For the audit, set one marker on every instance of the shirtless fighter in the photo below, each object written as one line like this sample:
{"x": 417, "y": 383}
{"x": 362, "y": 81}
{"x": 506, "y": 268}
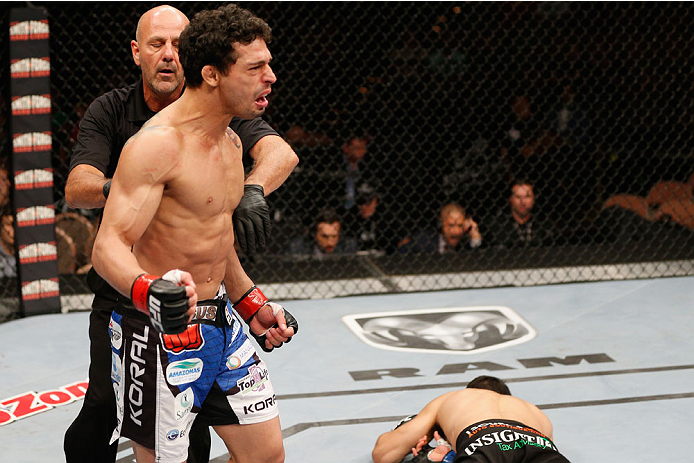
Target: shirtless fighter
{"x": 166, "y": 244}
{"x": 484, "y": 423}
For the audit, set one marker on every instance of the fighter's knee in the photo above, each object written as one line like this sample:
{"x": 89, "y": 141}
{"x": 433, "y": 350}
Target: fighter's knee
{"x": 275, "y": 454}
{"x": 266, "y": 456}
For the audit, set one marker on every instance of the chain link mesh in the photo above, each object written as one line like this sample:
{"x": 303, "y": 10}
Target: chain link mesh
{"x": 450, "y": 101}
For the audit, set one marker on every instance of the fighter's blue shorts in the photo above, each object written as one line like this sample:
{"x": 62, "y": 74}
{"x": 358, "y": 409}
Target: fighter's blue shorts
{"x": 164, "y": 382}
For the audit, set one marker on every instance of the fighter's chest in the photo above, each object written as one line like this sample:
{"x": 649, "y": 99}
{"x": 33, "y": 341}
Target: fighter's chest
{"x": 209, "y": 182}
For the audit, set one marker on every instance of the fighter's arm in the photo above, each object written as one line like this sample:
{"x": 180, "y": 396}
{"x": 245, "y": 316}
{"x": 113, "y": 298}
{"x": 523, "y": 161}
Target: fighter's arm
{"x": 269, "y": 323}
{"x": 393, "y": 446}
{"x": 137, "y": 189}
{"x": 274, "y": 161}
{"x": 85, "y": 187}
{"x": 90, "y": 157}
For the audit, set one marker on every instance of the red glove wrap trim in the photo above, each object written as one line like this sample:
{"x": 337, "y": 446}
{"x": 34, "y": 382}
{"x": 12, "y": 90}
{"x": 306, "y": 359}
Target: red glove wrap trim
{"x": 250, "y": 303}
{"x": 138, "y": 292}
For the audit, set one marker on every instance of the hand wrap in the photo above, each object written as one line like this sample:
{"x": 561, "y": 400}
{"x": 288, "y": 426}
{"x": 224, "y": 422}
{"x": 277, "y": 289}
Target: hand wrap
{"x": 423, "y": 456}
{"x": 252, "y": 220}
{"x": 165, "y": 302}
{"x": 248, "y": 306}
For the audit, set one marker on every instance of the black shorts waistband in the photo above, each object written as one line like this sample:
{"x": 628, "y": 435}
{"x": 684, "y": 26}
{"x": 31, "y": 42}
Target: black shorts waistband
{"x": 209, "y": 311}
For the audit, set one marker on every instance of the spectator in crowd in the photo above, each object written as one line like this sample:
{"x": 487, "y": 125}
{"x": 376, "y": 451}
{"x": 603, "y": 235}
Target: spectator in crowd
{"x": 571, "y": 120}
{"x": 668, "y": 207}
{"x": 299, "y": 137}
{"x": 625, "y": 218}
{"x": 354, "y": 151}
{"x": 518, "y": 227}
{"x": 8, "y": 258}
{"x": 369, "y": 223}
{"x": 673, "y": 201}
{"x": 326, "y": 237}
{"x": 527, "y": 137}
{"x": 457, "y": 232}
{"x": 679, "y": 211}
{"x": 634, "y": 203}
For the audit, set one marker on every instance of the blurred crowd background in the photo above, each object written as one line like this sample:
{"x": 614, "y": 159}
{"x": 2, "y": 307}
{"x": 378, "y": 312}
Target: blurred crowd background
{"x": 435, "y": 138}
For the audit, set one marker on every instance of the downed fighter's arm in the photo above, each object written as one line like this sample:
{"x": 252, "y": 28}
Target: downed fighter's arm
{"x": 137, "y": 188}
{"x": 393, "y": 446}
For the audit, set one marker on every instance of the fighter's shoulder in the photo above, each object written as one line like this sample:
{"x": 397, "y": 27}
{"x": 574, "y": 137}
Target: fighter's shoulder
{"x": 461, "y": 396}
{"x": 233, "y": 138}
{"x": 157, "y": 142}
{"x": 441, "y": 400}
{"x": 157, "y": 131}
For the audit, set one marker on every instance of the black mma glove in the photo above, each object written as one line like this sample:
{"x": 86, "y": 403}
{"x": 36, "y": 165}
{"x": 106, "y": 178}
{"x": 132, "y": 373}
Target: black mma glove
{"x": 423, "y": 455}
{"x": 165, "y": 302}
{"x": 107, "y": 188}
{"x": 248, "y": 306}
{"x": 252, "y": 220}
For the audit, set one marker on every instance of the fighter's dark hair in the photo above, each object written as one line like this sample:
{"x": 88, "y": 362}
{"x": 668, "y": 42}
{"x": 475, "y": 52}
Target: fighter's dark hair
{"x": 489, "y": 383}
{"x": 210, "y": 37}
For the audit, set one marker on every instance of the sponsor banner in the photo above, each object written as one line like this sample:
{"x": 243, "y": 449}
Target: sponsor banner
{"x": 35, "y": 235}
{"x": 31, "y": 104}
{"x": 183, "y": 371}
{"x": 34, "y": 216}
{"x": 31, "y": 141}
{"x": 33, "y": 178}
{"x": 31, "y": 138}
{"x": 38, "y": 252}
{"x": 184, "y": 404}
{"x": 242, "y": 355}
{"x": 24, "y": 124}
{"x": 40, "y": 289}
{"x": 30, "y": 161}
{"x": 27, "y": 199}
{"x": 39, "y": 273}
{"x": 29, "y": 29}
{"x": 31, "y": 86}
{"x": 38, "y": 66}
{"x": 31, "y": 403}
{"x": 254, "y": 381}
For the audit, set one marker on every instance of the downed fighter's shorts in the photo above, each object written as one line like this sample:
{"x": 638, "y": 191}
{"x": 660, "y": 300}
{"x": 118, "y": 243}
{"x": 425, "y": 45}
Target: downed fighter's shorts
{"x": 163, "y": 382}
{"x": 505, "y": 441}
